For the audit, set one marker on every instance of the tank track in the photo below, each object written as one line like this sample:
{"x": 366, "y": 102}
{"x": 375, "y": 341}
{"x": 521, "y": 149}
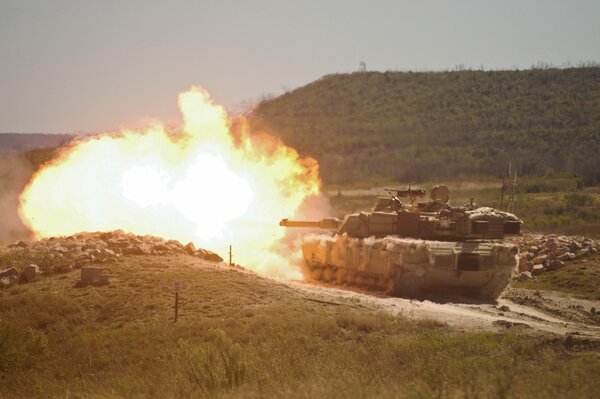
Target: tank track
{"x": 410, "y": 268}
{"x": 396, "y": 286}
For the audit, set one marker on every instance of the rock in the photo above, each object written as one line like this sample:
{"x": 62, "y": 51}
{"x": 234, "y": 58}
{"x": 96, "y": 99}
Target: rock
{"x": 9, "y": 272}
{"x": 524, "y": 265}
{"x": 161, "y": 247}
{"x": 7, "y": 281}
{"x": 533, "y": 249}
{"x": 566, "y": 256}
{"x": 22, "y": 244}
{"x": 137, "y": 250}
{"x": 30, "y": 273}
{"x": 105, "y": 253}
{"x": 212, "y": 257}
{"x": 118, "y": 243}
{"x": 559, "y": 251}
{"x": 190, "y": 248}
{"x": 524, "y": 276}
{"x": 583, "y": 252}
{"x": 555, "y": 265}
{"x": 538, "y": 260}
{"x": 200, "y": 253}
{"x": 62, "y": 268}
{"x": 60, "y": 249}
{"x": 175, "y": 243}
{"x": 537, "y": 269}
{"x": 504, "y": 308}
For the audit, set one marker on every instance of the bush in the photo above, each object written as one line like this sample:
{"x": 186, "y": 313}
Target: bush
{"x": 579, "y": 199}
{"x": 215, "y": 365}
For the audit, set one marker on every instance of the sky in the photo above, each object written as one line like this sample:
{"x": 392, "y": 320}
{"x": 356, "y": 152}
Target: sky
{"x": 91, "y": 66}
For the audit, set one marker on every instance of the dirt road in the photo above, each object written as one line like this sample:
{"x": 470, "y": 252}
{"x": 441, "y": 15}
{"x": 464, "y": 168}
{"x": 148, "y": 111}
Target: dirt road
{"x": 525, "y": 310}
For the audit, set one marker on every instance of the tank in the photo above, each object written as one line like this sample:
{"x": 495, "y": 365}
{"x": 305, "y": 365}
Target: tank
{"x": 405, "y": 248}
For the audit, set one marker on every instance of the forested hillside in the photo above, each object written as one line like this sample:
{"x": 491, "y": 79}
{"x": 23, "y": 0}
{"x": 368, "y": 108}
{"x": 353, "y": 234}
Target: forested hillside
{"x": 435, "y": 125}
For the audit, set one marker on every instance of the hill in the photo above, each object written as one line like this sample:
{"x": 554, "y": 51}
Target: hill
{"x": 411, "y": 126}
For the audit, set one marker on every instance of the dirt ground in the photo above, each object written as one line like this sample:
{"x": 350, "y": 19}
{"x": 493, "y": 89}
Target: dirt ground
{"x": 518, "y": 308}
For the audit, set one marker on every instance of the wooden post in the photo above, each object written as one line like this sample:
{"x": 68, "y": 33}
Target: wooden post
{"x": 230, "y": 255}
{"x": 176, "y": 301}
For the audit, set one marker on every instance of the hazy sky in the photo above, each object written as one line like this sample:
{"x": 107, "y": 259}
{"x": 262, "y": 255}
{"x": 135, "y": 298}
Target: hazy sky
{"x": 88, "y": 66}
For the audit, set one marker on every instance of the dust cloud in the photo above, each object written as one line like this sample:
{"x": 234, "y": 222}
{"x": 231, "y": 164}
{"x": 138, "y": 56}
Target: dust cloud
{"x": 15, "y": 172}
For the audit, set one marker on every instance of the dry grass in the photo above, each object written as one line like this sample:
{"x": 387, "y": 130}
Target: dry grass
{"x": 239, "y": 335}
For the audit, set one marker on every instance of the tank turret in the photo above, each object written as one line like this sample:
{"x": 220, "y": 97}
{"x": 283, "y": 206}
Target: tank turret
{"x": 432, "y": 220}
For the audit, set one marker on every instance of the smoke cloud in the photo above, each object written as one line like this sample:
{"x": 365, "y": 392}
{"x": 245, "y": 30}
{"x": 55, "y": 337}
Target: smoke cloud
{"x": 15, "y": 172}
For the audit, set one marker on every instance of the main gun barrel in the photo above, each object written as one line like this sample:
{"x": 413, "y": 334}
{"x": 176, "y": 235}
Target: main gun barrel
{"x": 325, "y": 223}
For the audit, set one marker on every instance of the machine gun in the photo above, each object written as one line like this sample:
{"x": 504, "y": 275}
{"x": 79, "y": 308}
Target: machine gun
{"x": 411, "y": 193}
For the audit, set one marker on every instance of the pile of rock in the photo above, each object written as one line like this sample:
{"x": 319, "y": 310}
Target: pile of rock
{"x": 63, "y": 254}
{"x": 541, "y": 253}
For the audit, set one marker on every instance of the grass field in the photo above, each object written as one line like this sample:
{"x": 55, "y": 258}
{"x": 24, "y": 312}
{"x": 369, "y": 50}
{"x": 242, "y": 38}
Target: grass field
{"x": 239, "y": 335}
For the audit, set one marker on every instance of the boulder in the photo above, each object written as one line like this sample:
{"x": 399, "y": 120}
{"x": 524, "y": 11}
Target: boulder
{"x": 161, "y": 247}
{"x": 566, "y": 256}
{"x": 212, "y": 257}
{"x": 537, "y": 269}
{"x": 558, "y": 251}
{"x": 524, "y": 265}
{"x": 11, "y": 271}
{"x": 200, "y": 253}
{"x": 7, "y": 281}
{"x": 190, "y": 248}
{"x": 538, "y": 260}
{"x": 30, "y": 273}
{"x": 136, "y": 250}
{"x": 175, "y": 243}
{"x": 555, "y": 265}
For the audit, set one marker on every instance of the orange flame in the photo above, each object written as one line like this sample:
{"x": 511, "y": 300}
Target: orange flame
{"x": 193, "y": 185}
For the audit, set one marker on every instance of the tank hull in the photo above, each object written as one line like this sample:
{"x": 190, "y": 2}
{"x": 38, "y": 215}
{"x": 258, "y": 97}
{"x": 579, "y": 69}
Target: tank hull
{"x": 404, "y": 266}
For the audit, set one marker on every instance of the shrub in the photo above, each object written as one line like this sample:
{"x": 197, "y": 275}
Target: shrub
{"x": 579, "y": 199}
{"x": 217, "y": 364}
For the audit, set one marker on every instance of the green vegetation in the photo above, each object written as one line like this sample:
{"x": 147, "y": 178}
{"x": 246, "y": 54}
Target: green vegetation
{"x": 409, "y": 126}
{"x": 239, "y": 335}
